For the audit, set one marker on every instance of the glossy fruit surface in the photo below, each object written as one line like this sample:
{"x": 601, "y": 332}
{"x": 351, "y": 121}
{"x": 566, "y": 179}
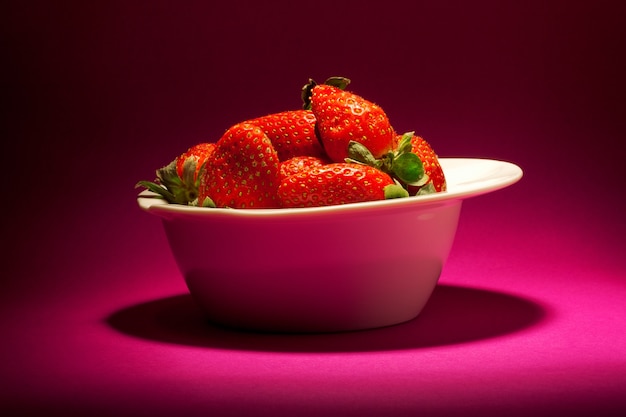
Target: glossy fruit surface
{"x": 333, "y": 184}
{"x": 243, "y": 172}
{"x": 430, "y": 162}
{"x": 292, "y": 133}
{"x": 343, "y": 116}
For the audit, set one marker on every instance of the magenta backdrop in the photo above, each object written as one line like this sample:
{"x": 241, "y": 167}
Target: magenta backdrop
{"x": 530, "y": 315}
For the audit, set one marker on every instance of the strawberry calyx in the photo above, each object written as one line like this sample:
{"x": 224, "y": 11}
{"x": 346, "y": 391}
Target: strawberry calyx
{"x": 338, "y": 82}
{"x": 173, "y": 188}
{"x": 395, "y": 191}
{"x": 207, "y": 202}
{"x": 401, "y": 164}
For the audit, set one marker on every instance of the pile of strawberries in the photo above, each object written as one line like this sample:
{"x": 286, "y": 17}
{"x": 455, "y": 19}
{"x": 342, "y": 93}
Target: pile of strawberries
{"x": 338, "y": 149}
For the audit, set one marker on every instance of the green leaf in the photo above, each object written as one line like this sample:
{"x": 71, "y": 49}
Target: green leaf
{"x": 395, "y": 191}
{"x": 425, "y": 178}
{"x": 427, "y": 189}
{"x": 359, "y": 152}
{"x": 339, "y": 82}
{"x": 405, "y": 144}
{"x": 408, "y": 168}
{"x": 189, "y": 171}
{"x": 208, "y": 202}
{"x": 158, "y": 189}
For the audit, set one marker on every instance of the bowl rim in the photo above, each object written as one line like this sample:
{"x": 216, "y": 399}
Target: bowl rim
{"x": 465, "y": 177}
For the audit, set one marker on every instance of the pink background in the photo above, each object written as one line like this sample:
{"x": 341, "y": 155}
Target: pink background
{"x": 530, "y": 316}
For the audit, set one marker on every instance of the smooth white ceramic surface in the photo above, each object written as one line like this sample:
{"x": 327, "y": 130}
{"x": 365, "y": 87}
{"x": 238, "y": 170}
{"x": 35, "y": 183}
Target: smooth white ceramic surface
{"x": 324, "y": 269}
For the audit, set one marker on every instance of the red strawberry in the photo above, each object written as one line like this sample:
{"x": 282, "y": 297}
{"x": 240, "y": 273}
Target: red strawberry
{"x": 299, "y": 164}
{"x": 243, "y": 172}
{"x": 194, "y": 158}
{"x": 432, "y": 168}
{"x": 178, "y": 181}
{"x": 337, "y": 183}
{"x": 292, "y": 133}
{"x": 343, "y": 116}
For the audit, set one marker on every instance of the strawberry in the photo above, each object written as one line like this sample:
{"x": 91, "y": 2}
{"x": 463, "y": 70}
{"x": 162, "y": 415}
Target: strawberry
{"x": 337, "y": 183}
{"x": 413, "y": 163}
{"x": 195, "y": 156}
{"x": 299, "y": 164}
{"x": 242, "y": 172}
{"x": 432, "y": 168}
{"x": 292, "y": 133}
{"x": 343, "y": 116}
{"x": 178, "y": 181}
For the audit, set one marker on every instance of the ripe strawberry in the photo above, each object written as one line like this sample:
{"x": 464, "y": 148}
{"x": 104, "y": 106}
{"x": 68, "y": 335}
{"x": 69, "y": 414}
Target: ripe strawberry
{"x": 432, "y": 168}
{"x": 194, "y": 158}
{"x": 343, "y": 116}
{"x": 299, "y": 164}
{"x": 292, "y": 133}
{"x": 178, "y": 181}
{"x": 242, "y": 172}
{"x": 337, "y": 183}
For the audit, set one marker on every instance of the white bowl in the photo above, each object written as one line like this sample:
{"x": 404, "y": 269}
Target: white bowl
{"x": 326, "y": 269}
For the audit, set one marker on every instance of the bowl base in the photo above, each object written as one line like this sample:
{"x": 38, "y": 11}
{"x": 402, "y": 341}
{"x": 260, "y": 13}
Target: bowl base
{"x": 320, "y": 304}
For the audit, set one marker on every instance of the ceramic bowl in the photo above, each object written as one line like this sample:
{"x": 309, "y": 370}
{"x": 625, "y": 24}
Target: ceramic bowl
{"x": 328, "y": 269}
